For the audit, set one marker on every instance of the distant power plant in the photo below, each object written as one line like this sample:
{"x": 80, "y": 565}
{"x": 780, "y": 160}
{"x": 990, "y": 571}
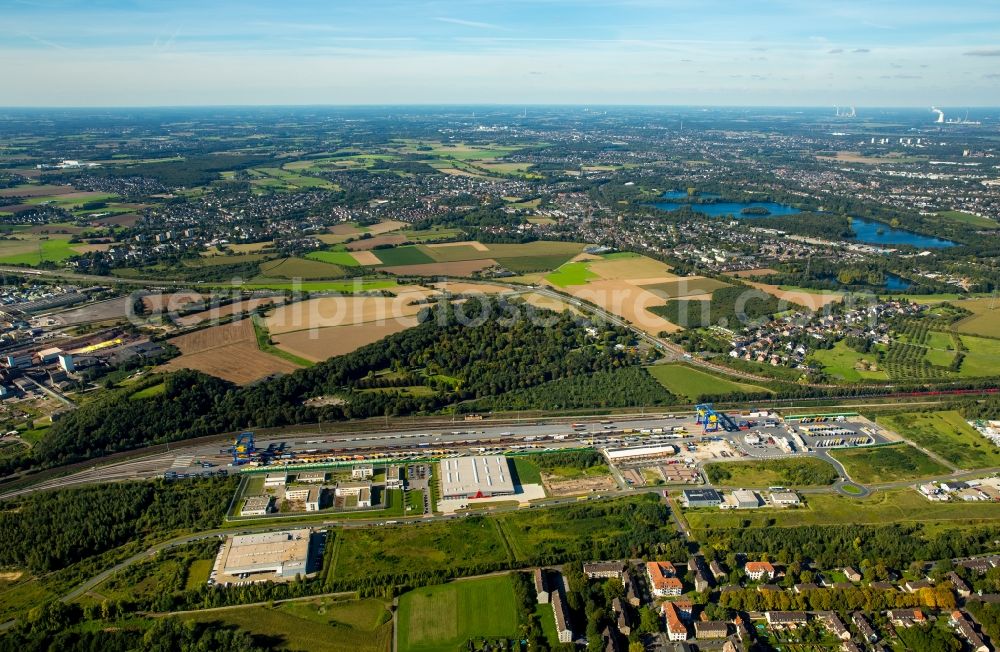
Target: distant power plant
{"x": 940, "y": 114}
{"x": 846, "y": 113}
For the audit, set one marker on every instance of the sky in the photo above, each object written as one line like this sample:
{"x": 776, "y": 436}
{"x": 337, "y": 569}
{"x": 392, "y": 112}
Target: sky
{"x": 663, "y": 52}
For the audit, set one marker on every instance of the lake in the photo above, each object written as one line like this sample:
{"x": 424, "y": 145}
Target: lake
{"x": 868, "y": 231}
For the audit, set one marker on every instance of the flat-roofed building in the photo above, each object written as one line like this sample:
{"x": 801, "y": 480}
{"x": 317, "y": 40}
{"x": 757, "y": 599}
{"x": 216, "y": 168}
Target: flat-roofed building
{"x": 362, "y": 471}
{"x": 311, "y": 477}
{"x": 621, "y": 455}
{"x": 395, "y": 477}
{"x": 297, "y": 493}
{"x": 477, "y": 476}
{"x": 362, "y": 490}
{"x": 785, "y": 498}
{"x": 256, "y": 506}
{"x": 314, "y": 499}
{"x": 701, "y": 498}
{"x": 264, "y": 556}
{"x": 272, "y": 480}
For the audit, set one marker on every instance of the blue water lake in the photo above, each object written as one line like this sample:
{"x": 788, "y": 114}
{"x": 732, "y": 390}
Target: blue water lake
{"x": 868, "y": 231}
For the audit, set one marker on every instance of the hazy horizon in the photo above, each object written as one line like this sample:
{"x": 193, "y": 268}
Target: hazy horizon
{"x": 789, "y": 53}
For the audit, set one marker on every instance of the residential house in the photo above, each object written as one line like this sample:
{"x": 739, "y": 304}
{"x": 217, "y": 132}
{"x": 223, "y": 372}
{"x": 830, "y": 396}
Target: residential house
{"x": 758, "y": 570}
{"x": 541, "y": 586}
{"x": 604, "y": 570}
{"x": 786, "y": 618}
{"x": 561, "y": 614}
{"x": 864, "y": 627}
{"x": 711, "y": 629}
{"x": 676, "y": 629}
{"x": 663, "y": 579}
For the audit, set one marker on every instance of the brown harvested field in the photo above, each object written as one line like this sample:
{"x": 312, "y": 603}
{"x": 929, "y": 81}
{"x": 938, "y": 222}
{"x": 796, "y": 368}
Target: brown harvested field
{"x": 458, "y": 268}
{"x": 345, "y": 229}
{"x": 18, "y": 208}
{"x": 475, "y": 244}
{"x": 628, "y": 301}
{"x": 370, "y": 243}
{"x": 749, "y": 273}
{"x": 386, "y": 226}
{"x": 366, "y": 258}
{"x": 228, "y": 352}
{"x": 811, "y": 300}
{"x": 170, "y": 301}
{"x": 38, "y": 191}
{"x": 460, "y": 251}
{"x": 457, "y": 287}
{"x": 584, "y": 257}
{"x": 684, "y": 287}
{"x": 225, "y": 311}
{"x": 125, "y": 219}
{"x": 321, "y": 343}
{"x": 246, "y": 248}
{"x": 548, "y": 303}
{"x": 455, "y": 172}
{"x": 628, "y": 268}
{"x": 324, "y": 312}
{"x": 89, "y": 248}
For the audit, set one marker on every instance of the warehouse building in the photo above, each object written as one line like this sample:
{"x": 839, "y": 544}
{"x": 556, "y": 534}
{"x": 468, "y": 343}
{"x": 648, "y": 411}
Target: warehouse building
{"x": 645, "y": 453}
{"x": 701, "y": 498}
{"x": 262, "y": 557}
{"x": 479, "y": 476}
{"x": 256, "y": 506}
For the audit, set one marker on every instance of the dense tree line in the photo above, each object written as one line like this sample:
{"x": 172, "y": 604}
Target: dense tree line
{"x": 864, "y": 599}
{"x": 51, "y": 530}
{"x": 621, "y": 387}
{"x": 834, "y": 546}
{"x": 729, "y": 306}
{"x": 58, "y": 626}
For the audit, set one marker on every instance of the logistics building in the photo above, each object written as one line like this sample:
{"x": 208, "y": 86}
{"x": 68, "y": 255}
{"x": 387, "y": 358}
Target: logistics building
{"x": 264, "y": 556}
{"x": 479, "y": 476}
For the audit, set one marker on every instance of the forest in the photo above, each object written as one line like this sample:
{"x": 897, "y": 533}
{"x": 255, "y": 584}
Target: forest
{"x": 835, "y": 546}
{"x": 488, "y": 348}
{"x": 50, "y": 530}
{"x": 729, "y": 307}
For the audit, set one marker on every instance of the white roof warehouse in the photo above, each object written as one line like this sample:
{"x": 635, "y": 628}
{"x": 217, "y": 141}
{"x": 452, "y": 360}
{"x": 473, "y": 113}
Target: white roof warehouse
{"x": 479, "y": 476}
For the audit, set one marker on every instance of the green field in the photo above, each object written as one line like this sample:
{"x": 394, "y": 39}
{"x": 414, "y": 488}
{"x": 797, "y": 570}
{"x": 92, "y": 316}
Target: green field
{"x": 968, "y": 218}
{"x": 887, "y": 463}
{"x": 408, "y": 255}
{"x": 883, "y": 507}
{"x": 340, "y": 257}
{"x": 303, "y": 268}
{"x": 444, "y": 617}
{"x": 571, "y": 274}
{"x": 322, "y": 625}
{"x": 946, "y": 434}
{"x": 431, "y": 546}
{"x": 985, "y": 318}
{"x": 32, "y": 251}
{"x": 797, "y": 472}
{"x": 841, "y": 361}
{"x": 692, "y": 383}
{"x": 149, "y": 392}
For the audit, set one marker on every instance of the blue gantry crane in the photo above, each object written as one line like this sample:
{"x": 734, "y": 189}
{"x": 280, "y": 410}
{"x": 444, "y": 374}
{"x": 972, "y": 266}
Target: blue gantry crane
{"x": 243, "y": 448}
{"x": 711, "y": 420}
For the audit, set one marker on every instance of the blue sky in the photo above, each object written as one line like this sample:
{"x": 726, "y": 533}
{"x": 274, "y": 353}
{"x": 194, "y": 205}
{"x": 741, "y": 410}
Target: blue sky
{"x": 735, "y": 52}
